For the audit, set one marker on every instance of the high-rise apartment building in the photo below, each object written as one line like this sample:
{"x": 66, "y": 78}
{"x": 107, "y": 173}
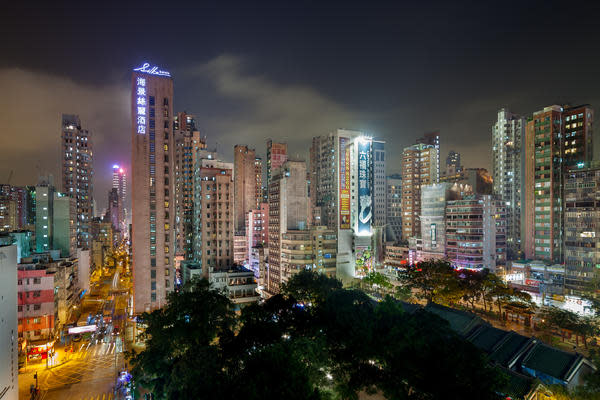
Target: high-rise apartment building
{"x": 379, "y": 186}
{"x": 394, "y": 207}
{"x": 257, "y": 227}
{"x": 476, "y": 232}
{"x": 433, "y": 217}
{"x": 557, "y": 138}
{"x": 64, "y": 236}
{"x": 113, "y": 211}
{"x": 78, "y": 173}
{"x": 213, "y": 213}
{"x": 582, "y": 227}
{"x": 187, "y": 143}
{"x": 276, "y": 156}
{"x": 420, "y": 166}
{"x": 508, "y": 134}
{"x": 288, "y": 199}
{"x": 119, "y": 182}
{"x": 453, "y": 164}
{"x": 433, "y": 139}
{"x": 9, "y": 344}
{"x": 341, "y": 179}
{"x": 153, "y": 178}
{"x": 260, "y": 190}
{"x": 245, "y": 184}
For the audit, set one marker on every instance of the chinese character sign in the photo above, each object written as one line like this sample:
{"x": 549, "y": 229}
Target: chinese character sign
{"x": 140, "y": 90}
{"x": 344, "y": 160}
{"x": 365, "y": 206}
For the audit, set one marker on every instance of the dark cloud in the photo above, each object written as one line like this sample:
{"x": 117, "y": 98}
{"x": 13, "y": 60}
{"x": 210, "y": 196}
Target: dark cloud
{"x": 32, "y": 104}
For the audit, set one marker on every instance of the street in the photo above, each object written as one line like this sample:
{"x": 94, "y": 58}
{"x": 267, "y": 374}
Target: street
{"x": 89, "y": 365}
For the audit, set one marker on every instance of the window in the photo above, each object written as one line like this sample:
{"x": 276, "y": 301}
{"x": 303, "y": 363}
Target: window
{"x": 151, "y": 100}
{"x": 153, "y": 297}
{"x": 153, "y": 262}
{"x": 152, "y": 274}
{"x": 153, "y": 285}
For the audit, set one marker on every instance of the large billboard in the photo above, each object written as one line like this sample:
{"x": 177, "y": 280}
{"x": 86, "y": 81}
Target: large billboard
{"x": 344, "y": 177}
{"x": 365, "y": 199}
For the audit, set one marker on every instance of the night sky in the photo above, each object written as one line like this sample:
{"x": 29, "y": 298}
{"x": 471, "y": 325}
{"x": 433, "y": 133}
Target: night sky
{"x": 254, "y": 70}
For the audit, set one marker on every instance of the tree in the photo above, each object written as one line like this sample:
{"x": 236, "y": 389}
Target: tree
{"x": 377, "y": 281}
{"x": 471, "y": 284}
{"x": 309, "y": 287}
{"x": 334, "y": 343}
{"x": 433, "y": 280}
{"x": 182, "y": 358}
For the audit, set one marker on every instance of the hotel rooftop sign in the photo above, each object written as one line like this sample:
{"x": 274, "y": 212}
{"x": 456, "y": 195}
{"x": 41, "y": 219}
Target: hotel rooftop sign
{"x": 146, "y": 68}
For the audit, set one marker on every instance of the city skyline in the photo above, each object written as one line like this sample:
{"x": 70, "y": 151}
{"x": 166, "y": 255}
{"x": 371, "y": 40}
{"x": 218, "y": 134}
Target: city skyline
{"x": 257, "y": 93}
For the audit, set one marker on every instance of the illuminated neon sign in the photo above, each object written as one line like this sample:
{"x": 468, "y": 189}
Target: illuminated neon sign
{"x": 147, "y": 69}
{"x": 365, "y": 206}
{"x": 140, "y": 101}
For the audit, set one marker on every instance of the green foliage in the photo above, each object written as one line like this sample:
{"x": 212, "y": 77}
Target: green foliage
{"x": 434, "y": 281}
{"x": 314, "y": 341}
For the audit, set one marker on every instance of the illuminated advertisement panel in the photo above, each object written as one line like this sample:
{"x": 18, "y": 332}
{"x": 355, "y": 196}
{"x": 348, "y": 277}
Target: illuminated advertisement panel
{"x": 344, "y": 161}
{"x": 365, "y": 205}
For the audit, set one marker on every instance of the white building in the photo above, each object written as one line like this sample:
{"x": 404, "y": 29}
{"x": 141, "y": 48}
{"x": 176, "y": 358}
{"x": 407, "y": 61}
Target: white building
{"x": 9, "y": 352}
{"x": 341, "y": 174}
{"x": 508, "y": 134}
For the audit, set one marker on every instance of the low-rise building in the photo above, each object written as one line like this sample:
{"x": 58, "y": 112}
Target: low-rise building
{"x": 47, "y": 295}
{"x": 396, "y": 256}
{"x": 237, "y": 283}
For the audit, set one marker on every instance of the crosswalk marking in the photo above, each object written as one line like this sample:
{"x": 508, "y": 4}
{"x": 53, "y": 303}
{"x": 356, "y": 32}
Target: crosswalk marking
{"x": 103, "y": 396}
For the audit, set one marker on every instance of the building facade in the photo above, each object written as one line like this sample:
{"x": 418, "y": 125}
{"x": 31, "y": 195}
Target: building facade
{"x": 453, "y": 164}
{"x": 379, "y": 185}
{"x": 9, "y": 350}
{"x": 153, "y": 200}
{"x": 78, "y": 173}
{"x": 394, "y": 207}
{"x": 476, "y": 232}
{"x": 508, "y": 135}
{"x": 582, "y": 227}
{"x": 119, "y": 183}
{"x": 557, "y": 138}
{"x": 420, "y": 166}
{"x": 245, "y": 184}
{"x": 213, "y": 213}
{"x": 187, "y": 143}
{"x": 288, "y": 199}
{"x": 276, "y": 155}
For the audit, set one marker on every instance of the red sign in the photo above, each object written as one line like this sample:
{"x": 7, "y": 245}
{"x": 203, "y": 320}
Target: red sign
{"x": 532, "y": 282}
{"x": 344, "y": 184}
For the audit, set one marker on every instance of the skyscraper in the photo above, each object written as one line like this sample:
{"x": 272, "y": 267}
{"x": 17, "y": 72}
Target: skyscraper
{"x": 394, "y": 207}
{"x": 258, "y": 168}
{"x": 119, "y": 182}
{"x": 276, "y": 156}
{"x": 433, "y": 139}
{"x": 582, "y": 227}
{"x": 187, "y": 142}
{"x": 153, "y": 210}
{"x": 78, "y": 173}
{"x": 245, "y": 182}
{"x": 420, "y": 166}
{"x": 341, "y": 179}
{"x": 213, "y": 213}
{"x": 288, "y": 199}
{"x": 453, "y": 164}
{"x": 508, "y": 134}
{"x": 557, "y": 138}
{"x": 379, "y": 186}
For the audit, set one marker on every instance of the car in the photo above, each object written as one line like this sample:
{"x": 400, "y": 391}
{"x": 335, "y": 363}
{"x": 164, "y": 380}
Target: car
{"x": 115, "y": 330}
{"x": 77, "y": 338}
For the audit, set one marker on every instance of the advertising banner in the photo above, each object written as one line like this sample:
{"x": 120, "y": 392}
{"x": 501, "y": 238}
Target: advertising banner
{"x": 365, "y": 206}
{"x": 344, "y": 177}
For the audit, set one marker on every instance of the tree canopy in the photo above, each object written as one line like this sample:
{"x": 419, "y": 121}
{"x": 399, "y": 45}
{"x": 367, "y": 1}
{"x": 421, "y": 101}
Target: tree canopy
{"x": 315, "y": 340}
